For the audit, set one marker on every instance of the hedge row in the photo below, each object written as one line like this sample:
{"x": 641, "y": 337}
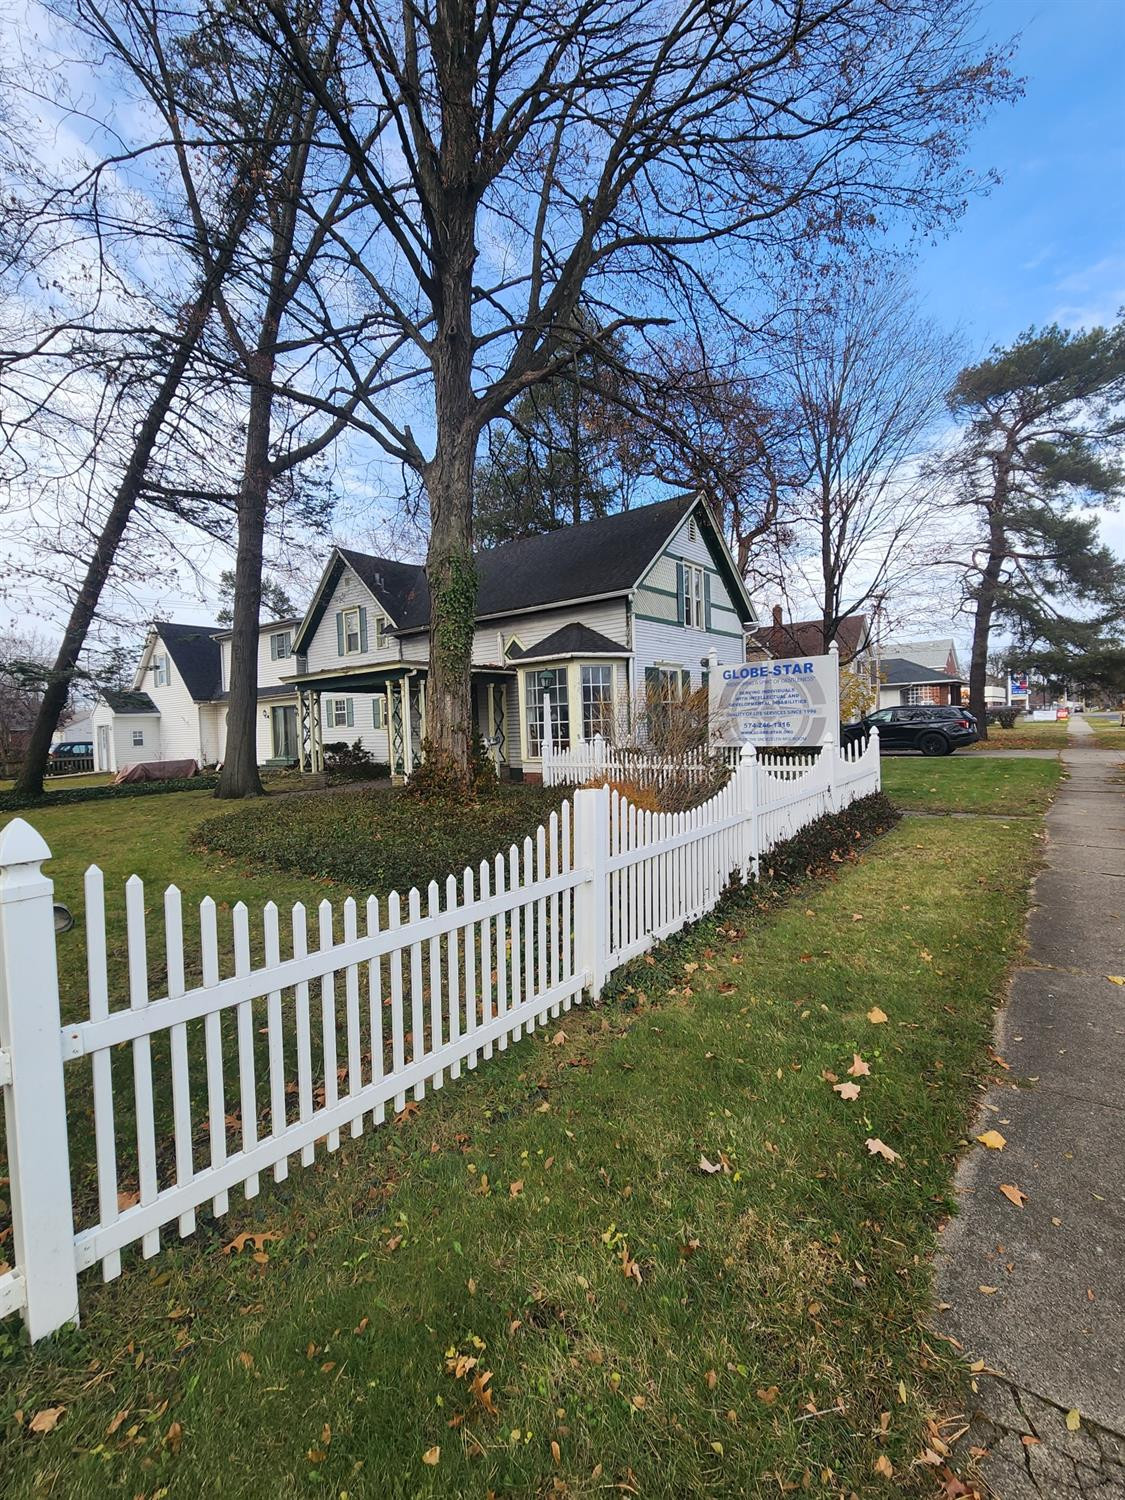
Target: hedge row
{"x": 379, "y": 840}
{"x": 17, "y": 802}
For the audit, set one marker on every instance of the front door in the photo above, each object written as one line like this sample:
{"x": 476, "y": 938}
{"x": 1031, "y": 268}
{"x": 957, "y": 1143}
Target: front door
{"x": 103, "y": 748}
{"x": 284, "y": 722}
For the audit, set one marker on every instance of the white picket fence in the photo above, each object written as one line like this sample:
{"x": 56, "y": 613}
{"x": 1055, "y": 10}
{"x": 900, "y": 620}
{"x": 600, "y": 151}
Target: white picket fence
{"x": 596, "y": 759}
{"x": 388, "y": 1002}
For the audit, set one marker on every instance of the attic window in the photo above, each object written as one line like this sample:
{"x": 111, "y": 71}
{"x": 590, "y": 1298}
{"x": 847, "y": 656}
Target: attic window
{"x": 515, "y": 647}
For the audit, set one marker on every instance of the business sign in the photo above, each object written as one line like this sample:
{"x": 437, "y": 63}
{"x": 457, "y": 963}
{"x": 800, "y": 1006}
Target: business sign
{"x": 1019, "y": 684}
{"x": 774, "y": 703}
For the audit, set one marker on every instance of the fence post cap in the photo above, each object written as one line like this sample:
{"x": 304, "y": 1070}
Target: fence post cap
{"x": 748, "y": 752}
{"x": 834, "y": 645}
{"x": 20, "y": 844}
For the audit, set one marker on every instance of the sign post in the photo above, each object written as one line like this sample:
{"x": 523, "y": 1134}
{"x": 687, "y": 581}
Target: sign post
{"x": 790, "y": 704}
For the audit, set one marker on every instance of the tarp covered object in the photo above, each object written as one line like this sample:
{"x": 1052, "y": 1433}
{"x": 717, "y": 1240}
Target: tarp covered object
{"x": 157, "y": 770}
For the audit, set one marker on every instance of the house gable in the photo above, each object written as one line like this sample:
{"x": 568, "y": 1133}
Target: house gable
{"x": 693, "y": 582}
{"x": 347, "y": 625}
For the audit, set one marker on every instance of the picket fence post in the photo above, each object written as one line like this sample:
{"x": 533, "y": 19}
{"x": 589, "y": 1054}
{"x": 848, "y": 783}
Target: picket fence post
{"x": 747, "y": 775}
{"x": 34, "y": 1098}
{"x": 591, "y": 898}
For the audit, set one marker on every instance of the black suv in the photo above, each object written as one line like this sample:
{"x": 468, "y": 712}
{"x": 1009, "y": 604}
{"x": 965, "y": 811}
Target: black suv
{"x": 935, "y": 729}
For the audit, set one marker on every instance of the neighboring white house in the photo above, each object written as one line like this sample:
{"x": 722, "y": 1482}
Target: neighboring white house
{"x": 588, "y": 615}
{"x": 176, "y": 709}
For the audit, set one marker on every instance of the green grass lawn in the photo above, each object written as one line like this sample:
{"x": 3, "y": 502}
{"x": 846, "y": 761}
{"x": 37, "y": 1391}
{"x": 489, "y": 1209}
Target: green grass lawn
{"x": 59, "y": 783}
{"x": 1108, "y": 732}
{"x": 1047, "y": 734}
{"x": 647, "y": 1251}
{"x": 952, "y": 783}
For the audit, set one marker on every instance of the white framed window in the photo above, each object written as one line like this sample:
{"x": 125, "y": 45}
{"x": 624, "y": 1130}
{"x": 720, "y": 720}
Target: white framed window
{"x": 138, "y": 737}
{"x": 551, "y": 680}
{"x": 339, "y": 713}
{"x": 281, "y": 645}
{"x": 597, "y": 700}
{"x": 353, "y": 633}
{"x": 161, "y": 671}
{"x": 695, "y": 597}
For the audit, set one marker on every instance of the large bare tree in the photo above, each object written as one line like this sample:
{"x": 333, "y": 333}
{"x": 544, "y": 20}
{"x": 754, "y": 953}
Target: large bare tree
{"x": 866, "y": 376}
{"x": 537, "y": 178}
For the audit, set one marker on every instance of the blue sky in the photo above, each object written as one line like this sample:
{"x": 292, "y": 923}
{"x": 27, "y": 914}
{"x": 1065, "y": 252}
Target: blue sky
{"x": 1049, "y": 242}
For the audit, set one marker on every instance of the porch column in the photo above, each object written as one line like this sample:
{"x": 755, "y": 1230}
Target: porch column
{"x": 421, "y": 715}
{"x": 304, "y": 732}
{"x": 317, "y": 734}
{"x": 407, "y": 728}
{"x": 396, "y": 727}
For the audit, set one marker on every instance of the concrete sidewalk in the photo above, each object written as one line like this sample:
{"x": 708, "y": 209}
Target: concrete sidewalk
{"x": 1052, "y": 1334}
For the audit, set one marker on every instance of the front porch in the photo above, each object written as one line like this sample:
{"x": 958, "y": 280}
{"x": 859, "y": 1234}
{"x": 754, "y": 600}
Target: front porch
{"x": 402, "y": 690}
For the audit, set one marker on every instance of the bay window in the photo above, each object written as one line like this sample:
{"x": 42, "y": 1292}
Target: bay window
{"x": 552, "y": 681}
{"x": 597, "y": 701}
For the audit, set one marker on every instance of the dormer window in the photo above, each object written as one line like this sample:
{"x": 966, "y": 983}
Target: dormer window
{"x": 161, "y": 671}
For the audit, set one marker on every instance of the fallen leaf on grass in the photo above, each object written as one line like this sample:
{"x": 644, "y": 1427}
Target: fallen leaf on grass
{"x": 240, "y": 1241}
{"x": 116, "y": 1423}
{"x": 46, "y": 1420}
{"x": 515, "y": 1189}
{"x": 884, "y": 1466}
{"x": 173, "y": 1438}
{"x": 859, "y": 1069}
{"x": 880, "y": 1148}
{"x": 481, "y": 1392}
{"x": 993, "y": 1140}
{"x": 407, "y": 1112}
{"x": 846, "y": 1090}
{"x": 556, "y": 1452}
{"x": 708, "y": 1166}
{"x": 558, "y": 1039}
{"x": 768, "y": 1395}
{"x": 876, "y": 1016}
{"x": 432, "y": 1455}
{"x": 127, "y": 1200}
{"x": 1013, "y": 1194}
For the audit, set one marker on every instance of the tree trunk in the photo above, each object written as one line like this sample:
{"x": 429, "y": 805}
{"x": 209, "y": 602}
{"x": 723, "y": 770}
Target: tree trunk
{"x": 452, "y": 579}
{"x": 239, "y": 777}
{"x": 30, "y": 782}
{"x": 987, "y": 592}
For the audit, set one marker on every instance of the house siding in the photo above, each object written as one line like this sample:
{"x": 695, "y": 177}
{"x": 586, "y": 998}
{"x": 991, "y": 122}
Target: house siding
{"x": 122, "y": 751}
{"x": 180, "y": 737}
{"x": 323, "y": 653}
{"x": 373, "y": 740}
{"x": 657, "y": 638}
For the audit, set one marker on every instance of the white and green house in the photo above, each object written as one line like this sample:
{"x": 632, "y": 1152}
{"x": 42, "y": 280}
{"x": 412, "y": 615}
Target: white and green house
{"x": 586, "y": 618}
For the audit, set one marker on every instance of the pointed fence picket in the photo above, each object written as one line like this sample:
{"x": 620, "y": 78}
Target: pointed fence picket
{"x": 234, "y": 1075}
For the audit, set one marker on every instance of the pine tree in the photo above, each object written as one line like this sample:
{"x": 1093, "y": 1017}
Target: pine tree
{"x": 1043, "y": 443}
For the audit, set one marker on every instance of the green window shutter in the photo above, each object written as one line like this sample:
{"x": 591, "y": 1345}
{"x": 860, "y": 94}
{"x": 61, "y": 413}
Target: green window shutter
{"x": 685, "y": 684}
{"x": 339, "y": 632}
{"x": 652, "y": 680}
{"x": 327, "y": 710}
{"x": 679, "y": 593}
{"x": 273, "y": 647}
{"x": 362, "y": 631}
{"x": 349, "y": 709}
{"x": 377, "y": 706}
{"x": 707, "y": 600}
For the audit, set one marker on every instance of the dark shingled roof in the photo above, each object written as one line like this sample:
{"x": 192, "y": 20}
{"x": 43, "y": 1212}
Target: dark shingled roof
{"x": 195, "y": 650}
{"x": 128, "y": 703}
{"x": 606, "y": 556}
{"x": 806, "y": 638}
{"x": 571, "y": 640}
{"x": 391, "y": 582}
{"x": 896, "y": 671}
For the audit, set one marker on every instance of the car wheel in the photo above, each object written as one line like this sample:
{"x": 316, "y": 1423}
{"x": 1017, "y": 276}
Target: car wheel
{"x": 934, "y": 744}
